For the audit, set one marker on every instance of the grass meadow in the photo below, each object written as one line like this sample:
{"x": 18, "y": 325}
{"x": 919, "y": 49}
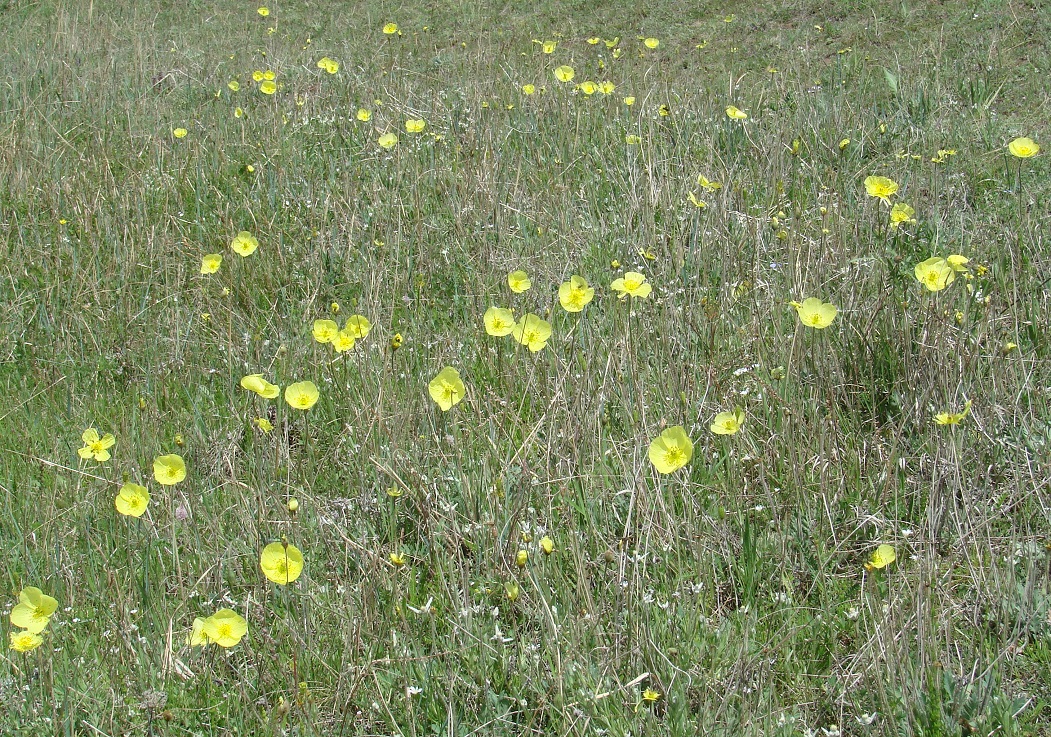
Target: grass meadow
{"x": 518, "y": 564}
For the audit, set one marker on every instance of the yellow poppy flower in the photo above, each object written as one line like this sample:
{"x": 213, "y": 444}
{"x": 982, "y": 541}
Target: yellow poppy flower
{"x": 707, "y": 184}
{"x": 325, "y": 331}
{"x": 225, "y": 628}
{"x": 96, "y": 447}
{"x": 814, "y": 313}
{"x": 210, "y": 263}
{"x": 281, "y": 563}
{"x": 727, "y": 423}
{"x": 594, "y": 40}
{"x": 519, "y": 281}
{"x": 363, "y": 115}
{"x": 256, "y": 383}
{"x": 132, "y": 500}
{"x": 953, "y": 418}
{"x": 632, "y": 140}
{"x": 629, "y": 101}
{"x": 1023, "y": 148}
{"x": 301, "y": 395}
{"x": 564, "y": 73}
{"x": 607, "y": 88}
{"x": 575, "y": 294}
{"x": 446, "y": 388}
{"x": 169, "y": 470}
{"x": 588, "y": 88}
{"x": 611, "y": 42}
{"x": 671, "y": 450}
{"x": 957, "y": 262}
{"x": 24, "y": 641}
{"x": 268, "y": 87}
{"x": 329, "y": 65}
{"x": 532, "y": 332}
{"x": 550, "y": 46}
{"x": 263, "y": 11}
{"x": 901, "y": 214}
{"x": 343, "y": 341}
{"x": 882, "y": 557}
{"x": 415, "y": 126}
{"x": 397, "y": 559}
{"x": 390, "y": 29}
{"x": 651, "y": 43}
{"x": 358, "y": 326}
{"x": 528, "y": 89}
{"x": 244, "y": 244}
{"x": 180, "y": 132}
{"x": 263, "y": 424}
{"x": 734, "y": 113}
{"x": 632, "y": 284}
{"x": 198, "y": 637}
{"x": 881, "y": 187}
{"x": 934, "y": 273}
{"x": 498, "y": 321}
{"x": 234, "y": 85}
{"x": 388, "y": 140}
{"x": 33, "y": 610}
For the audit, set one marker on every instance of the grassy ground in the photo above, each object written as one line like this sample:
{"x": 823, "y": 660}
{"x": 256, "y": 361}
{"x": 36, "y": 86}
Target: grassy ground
{"x": 735, "y": 589}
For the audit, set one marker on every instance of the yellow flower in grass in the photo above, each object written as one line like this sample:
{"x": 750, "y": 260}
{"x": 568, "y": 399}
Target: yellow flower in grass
{"x": 388, "y": 140}
{"x": 96, "y": 447}
{"x": 547, "y": 545}
{"x": 198, "y": 637}
{"x": 179, "y": 132}
{"x": 263, "y": 11}
{"x": 263, "y": 424}
{"x": 532, "y": 332}
{"x": 390, "y": 29}
{"x": 234, "y": 85}
{"x": 564, "y": 73}
{"x": 169, "y": 470}
{"x": 957, "y": 263}
{"x": 814, "y": 313}
{"x": 606, "y": 87}
{"x": 882, "y": 557}
{"x": 210, "y": 263}
{"x": 734, "y": 113}
{"x": 256, "y": 383}
{"x": 358, "y": 326}
{"x": 325, "y": 331}
{"x": 363, "y": 115}
{"x": 934, "y": 273}
{"x": 707, "y": 184}
{"x": 268, "y": 87}
{"x": 651, "y": 43}
{"x": 447, "y": 388}
{"x": 671, "y": 450}
{"x": 629, "y": 100}
{"x": 519, "y": 281}
{"x": 132, "y": 500}
{"x": 881, "y": 187}
{"x": 329, "y": 65}
{"x": 528, "y": 89}
{"x": 498, "y": 321}
{"x": 901, "y": 214}
{"x": 33, "y": 610}
{"x": 550, "y": 46}
{"x": 244, "y": 244}
{"x": 953, "y": 418}
{"x": 415, "y": 126}
{"x": 398, "y": 559}
{"x": 575, "y": 294}
{"x": 281, "y": 563}
{"x": 344, "y": 341}
{"x": 24, "y": 641}
{"x": 301, "y": 395}
{"x": 588, "y": 88}
{"x": 632, "y": 284}
{"x": 727, "y": 423}
{"x": 225, "y": 628}
{"x": 1023, "y": 148}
